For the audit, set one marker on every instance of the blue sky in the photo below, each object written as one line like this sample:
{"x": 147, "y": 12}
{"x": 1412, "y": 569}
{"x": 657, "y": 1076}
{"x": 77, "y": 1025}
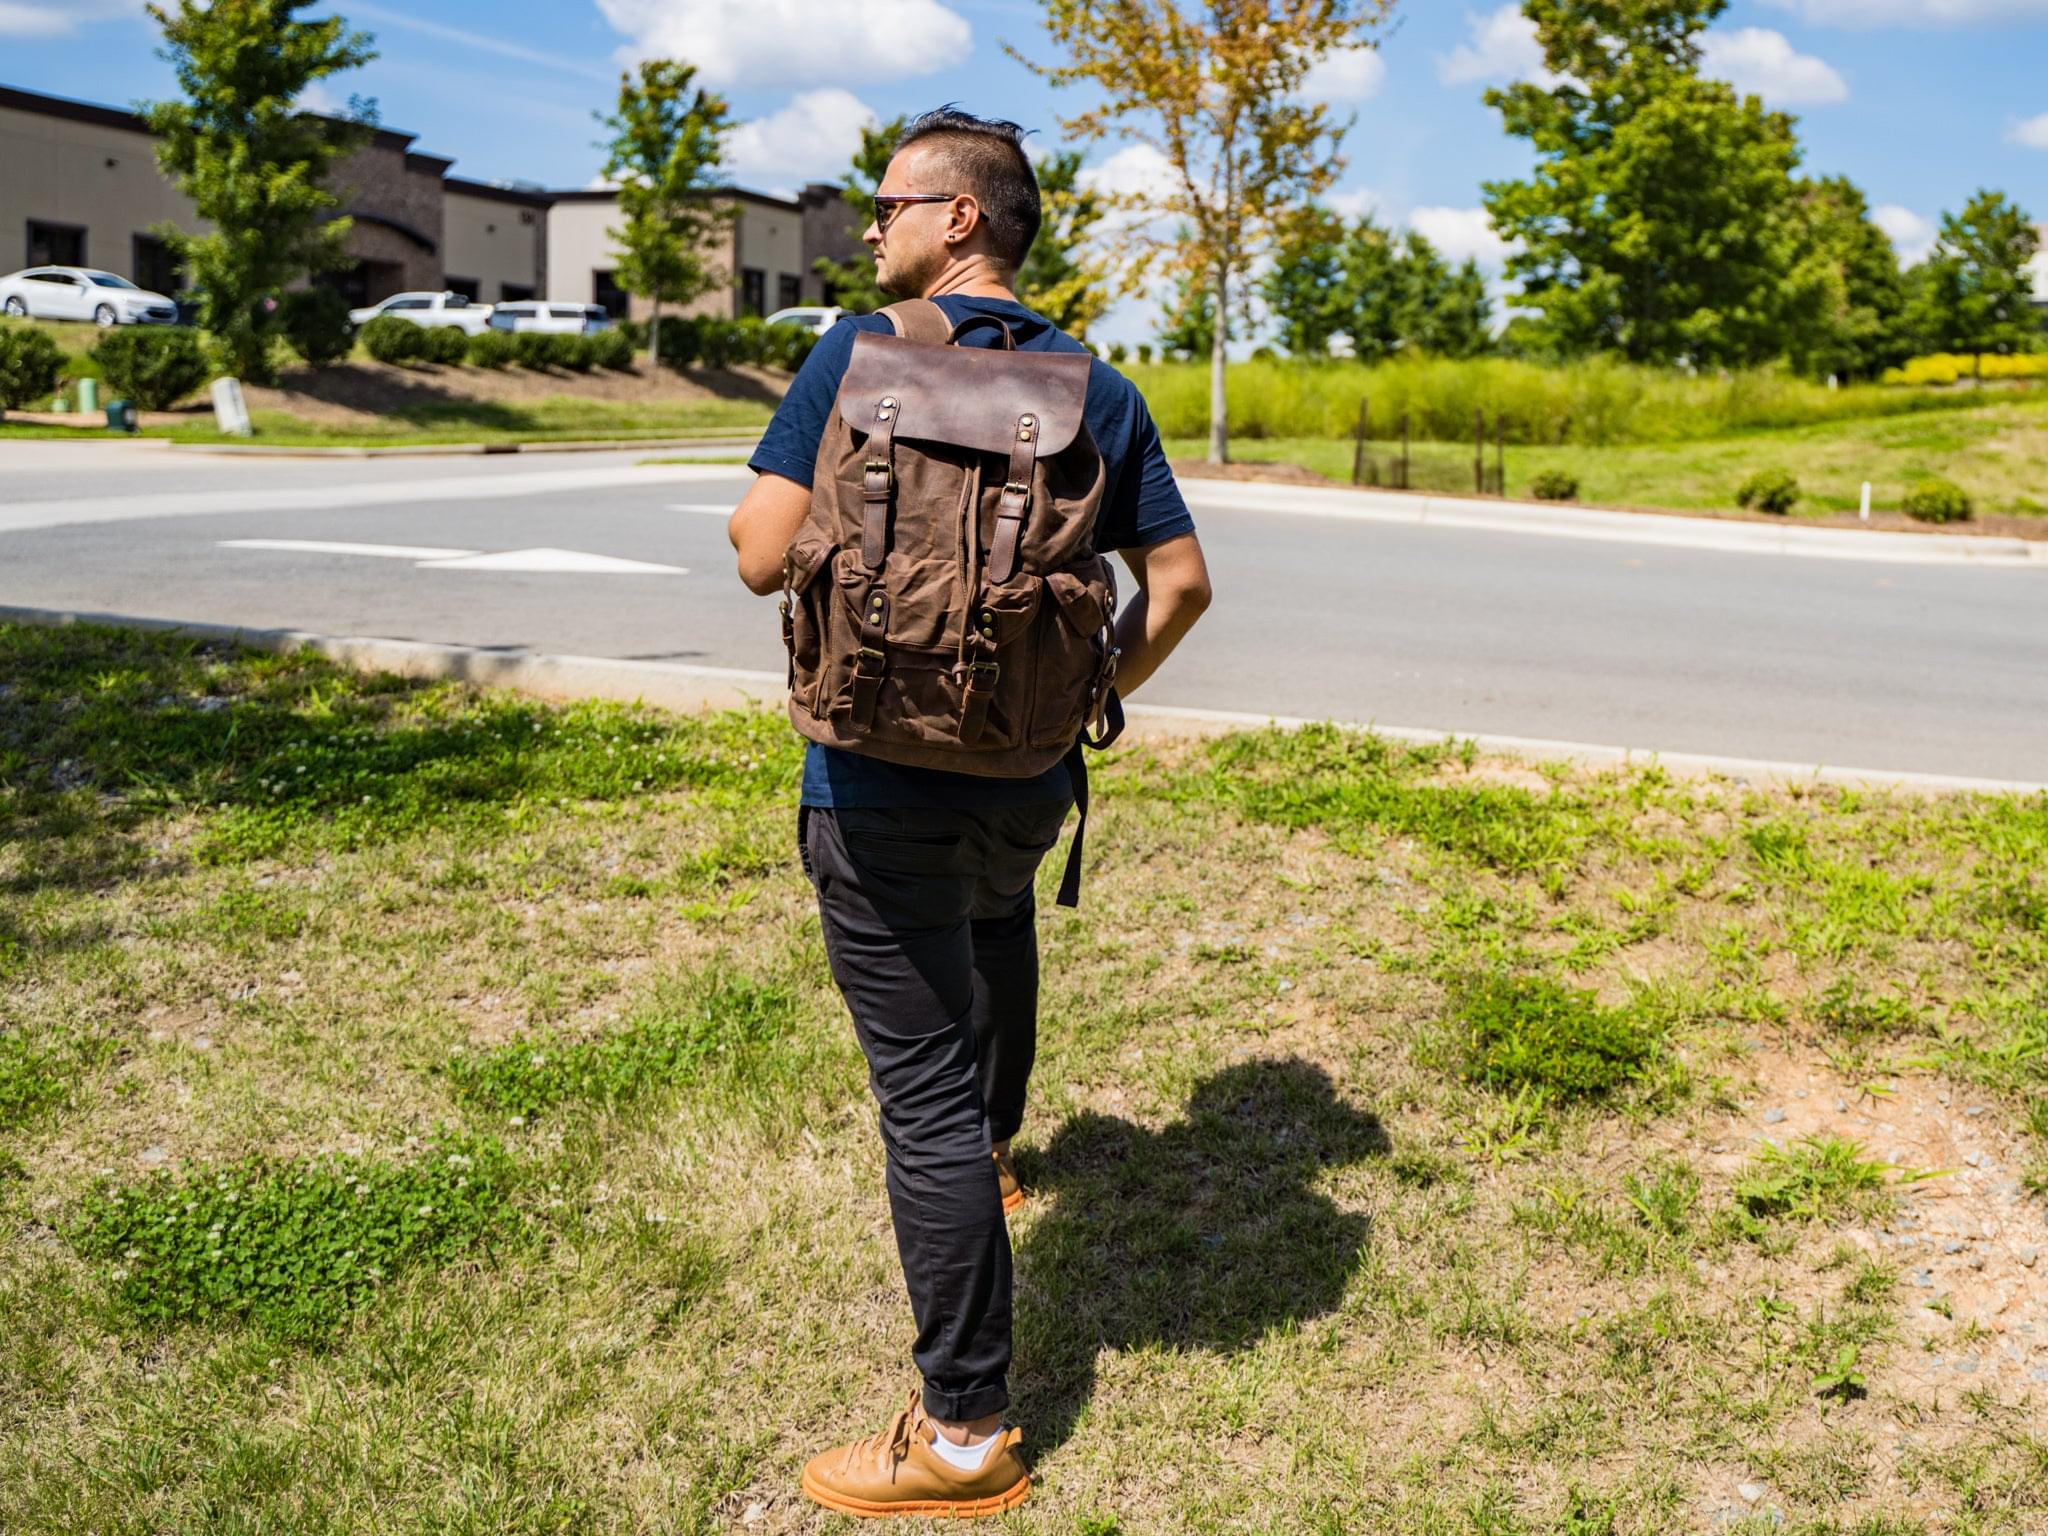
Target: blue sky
{"x": 1919, "y": 101}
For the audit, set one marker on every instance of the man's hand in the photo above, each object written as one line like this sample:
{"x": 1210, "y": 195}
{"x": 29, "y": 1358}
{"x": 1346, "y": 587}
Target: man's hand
{"x": 1173, "y": 589}
{"x": 761, "y": 527}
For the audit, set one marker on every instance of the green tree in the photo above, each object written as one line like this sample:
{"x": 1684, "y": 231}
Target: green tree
{"x": 1445, "y": 309}
{"x": 1188, "y": 319}
{"x": 1974, "y": 293}
{"x": 1062, "y": 278}
{"x": 1845, "y": 300}
{"x": 1305, "y": 291}
{"x": 667, "y": 141}
{"x": 851, "y": 283}
{"x": 1661, "y": 219}
{"x": 254, "y": 165}
{"x": 1215, "y": 88}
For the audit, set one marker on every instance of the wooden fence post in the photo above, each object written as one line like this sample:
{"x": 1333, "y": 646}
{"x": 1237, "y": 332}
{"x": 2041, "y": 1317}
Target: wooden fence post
{"x": 1404, "y": 450}
{"x": 1358, "y": 447}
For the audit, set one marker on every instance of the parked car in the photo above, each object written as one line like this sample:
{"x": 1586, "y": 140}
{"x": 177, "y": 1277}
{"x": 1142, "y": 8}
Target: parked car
{"x": 429, "y": 309}
{"x": 547, "y": 315}
{"x": 82, "y": 293}
{"x": 812, "y": 317}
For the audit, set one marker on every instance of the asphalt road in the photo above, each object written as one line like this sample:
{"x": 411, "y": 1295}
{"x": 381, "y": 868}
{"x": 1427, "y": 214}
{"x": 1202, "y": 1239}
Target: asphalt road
{"x": 1939, "y": 669}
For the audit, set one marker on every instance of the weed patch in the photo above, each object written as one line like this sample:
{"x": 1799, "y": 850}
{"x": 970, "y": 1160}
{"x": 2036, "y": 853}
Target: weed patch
{"x": 1519, "y": 1032}
{"x": 293, "y": 1247}
{"x": 685, "y": 1029}
{"x": 1816, "y": 1178}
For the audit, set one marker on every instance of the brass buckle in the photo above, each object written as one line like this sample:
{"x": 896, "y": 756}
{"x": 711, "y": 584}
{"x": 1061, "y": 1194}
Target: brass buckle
{"x": 867, "y": 653}
{"x": 992, "y": 668}
{"x": 1013, "y": 488}
{"x": 878, "y": 467}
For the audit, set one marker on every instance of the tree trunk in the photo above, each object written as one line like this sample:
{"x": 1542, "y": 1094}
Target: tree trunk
{"x": 1219, "y": 421}
{"x": 654, "y": 337}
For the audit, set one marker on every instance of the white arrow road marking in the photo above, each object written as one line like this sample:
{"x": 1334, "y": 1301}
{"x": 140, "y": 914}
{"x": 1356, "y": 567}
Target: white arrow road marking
{"x": 551, "y": 561}
{"x": 323, "y": 547}
{"x": 562, "y": 560}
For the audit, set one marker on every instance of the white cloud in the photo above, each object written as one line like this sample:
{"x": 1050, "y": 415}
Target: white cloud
{"x": 1913, "y": 13}
{"x": 1911, "y": 235}
{"x": 813, "y": 138}
{"x": 1350, "y": 75}
{"x": 1134, "y": 170}
{"x": 794, "y": 42}
{"x": 2033, "y": 132}
{"x": 1354, "y": 202}
{"x": 55, "y": 18}
{"x": 1759, "y": 61}
{"x": 1461, "y": 232}
{"x": 1502, "y": 47}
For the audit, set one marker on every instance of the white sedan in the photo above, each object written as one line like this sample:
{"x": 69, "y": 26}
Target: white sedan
{"x": 547, "y": 315}
{"x": 82, "y": 293}
{"x": 812, "y": 317}
{"x": 429, "y": 309}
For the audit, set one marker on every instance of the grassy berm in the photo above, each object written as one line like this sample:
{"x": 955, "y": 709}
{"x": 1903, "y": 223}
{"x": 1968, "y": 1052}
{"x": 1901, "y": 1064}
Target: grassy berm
{"x": 428, "y": 1111}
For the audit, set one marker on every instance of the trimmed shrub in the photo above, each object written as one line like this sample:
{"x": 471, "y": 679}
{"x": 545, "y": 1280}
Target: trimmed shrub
{"x": 1769, "y": 490}
{"x": 492, "y": 349}
{"x": 394, "y": 339}
{"x": 786, "y": 346}
{"x": 1555, "y": 485}
{"x": 30, "y": 365}
{"x": 534, "y": 349}
{"x": 578, "y": 354}
{"x": 1937, "y": 501}
{"x": 154, "y": 367}
{"x": 444, "y": 344}
{"x": 315, "y": 321}
{"x": 612, "y": 349}
{"x": 720, "y": 343}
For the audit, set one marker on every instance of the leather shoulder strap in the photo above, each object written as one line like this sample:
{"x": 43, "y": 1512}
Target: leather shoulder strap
{"x": 920, "y": 320}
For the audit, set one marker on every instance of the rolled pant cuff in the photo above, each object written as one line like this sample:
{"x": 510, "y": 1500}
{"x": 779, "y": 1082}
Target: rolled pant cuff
{"x": 961, "y": 1407}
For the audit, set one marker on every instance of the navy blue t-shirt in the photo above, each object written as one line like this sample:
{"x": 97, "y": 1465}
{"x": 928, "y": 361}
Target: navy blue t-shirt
{"x": 1141, "y": 505}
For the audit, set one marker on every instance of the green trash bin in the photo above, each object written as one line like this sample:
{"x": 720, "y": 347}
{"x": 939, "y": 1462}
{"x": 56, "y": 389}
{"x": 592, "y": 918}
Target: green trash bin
{"x": 88, "y": 396}
{"x": 121, "y": 416}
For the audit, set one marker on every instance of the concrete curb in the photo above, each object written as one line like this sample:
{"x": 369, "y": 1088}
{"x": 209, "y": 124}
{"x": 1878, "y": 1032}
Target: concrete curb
{"x": 1546, "y": 520}
{"x": 684, "y": 688}
{"x": 463, "y": 450}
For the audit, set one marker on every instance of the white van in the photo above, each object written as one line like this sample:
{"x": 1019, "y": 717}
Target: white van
{"x": 547, "y": 315}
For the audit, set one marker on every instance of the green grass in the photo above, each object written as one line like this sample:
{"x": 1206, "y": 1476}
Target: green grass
{"x": 1396, "y": 1151}
{"x": 1992, "y": 448}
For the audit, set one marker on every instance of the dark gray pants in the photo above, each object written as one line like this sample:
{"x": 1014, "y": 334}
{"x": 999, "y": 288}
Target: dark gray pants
{"x": 929, "y": 920}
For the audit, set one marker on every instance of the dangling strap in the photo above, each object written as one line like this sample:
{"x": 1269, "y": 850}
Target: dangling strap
{"x": 1077, "y": 772}
{"x": 878, "y": 473}
{"x": 869, "y": 665}
{"x": 919, "y": 320}
{"x": 1002, "y": 550}
{"x": 982, "y": 673}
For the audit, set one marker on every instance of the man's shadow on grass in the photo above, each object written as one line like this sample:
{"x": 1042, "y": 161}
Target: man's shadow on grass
{"x": 1206, "y": 1235}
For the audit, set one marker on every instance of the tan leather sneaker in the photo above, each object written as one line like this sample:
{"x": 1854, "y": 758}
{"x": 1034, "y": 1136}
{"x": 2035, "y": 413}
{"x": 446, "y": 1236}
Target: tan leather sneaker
{"x": 1006, "y": 1180}
{"x": 897, "y": 1472}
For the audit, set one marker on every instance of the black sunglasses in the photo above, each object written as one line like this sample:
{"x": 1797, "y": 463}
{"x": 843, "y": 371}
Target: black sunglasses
{"x": 886, "y": 204}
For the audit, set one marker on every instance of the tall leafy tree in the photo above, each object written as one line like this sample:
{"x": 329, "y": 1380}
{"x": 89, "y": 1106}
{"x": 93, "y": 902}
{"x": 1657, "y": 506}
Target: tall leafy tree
{"x": 1214, "y": 89}
{"x": 1187, "y": 319}
{"x": 1384, "y": 292}
{"x": 667, "y": 142}
{"x": 1661, "y": 220}
{"x": 1974, "y": 293}
{"x": 1062, "y": 278}
{"x": 254, "y": 165}
{"x": 1845, "y": 300}
{"x": 851, "y": 282}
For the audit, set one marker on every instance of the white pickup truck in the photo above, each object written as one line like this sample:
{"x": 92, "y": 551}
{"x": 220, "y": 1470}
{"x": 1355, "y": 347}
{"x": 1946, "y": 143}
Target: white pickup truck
{"x": 429, "y": 309}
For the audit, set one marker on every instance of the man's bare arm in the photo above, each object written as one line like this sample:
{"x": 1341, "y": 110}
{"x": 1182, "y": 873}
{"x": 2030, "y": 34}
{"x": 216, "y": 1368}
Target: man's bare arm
{"x": 1173, "y": 589}
{"x": 761, "y": 527}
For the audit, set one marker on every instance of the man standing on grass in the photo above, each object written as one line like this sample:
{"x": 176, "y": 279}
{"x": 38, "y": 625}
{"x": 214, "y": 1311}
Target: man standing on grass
{"x": 924, "y": 876}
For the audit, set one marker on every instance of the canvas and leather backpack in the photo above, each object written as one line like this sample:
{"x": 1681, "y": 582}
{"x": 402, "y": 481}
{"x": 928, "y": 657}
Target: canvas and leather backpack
{"x": 943, "y": 602}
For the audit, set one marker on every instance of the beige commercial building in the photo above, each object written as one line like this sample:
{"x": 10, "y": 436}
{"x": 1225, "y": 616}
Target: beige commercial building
{"x": 79, "y": 186}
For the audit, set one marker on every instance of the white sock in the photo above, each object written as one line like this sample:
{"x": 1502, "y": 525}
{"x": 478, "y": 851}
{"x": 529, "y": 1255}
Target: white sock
{"x": 968, "y": 1458}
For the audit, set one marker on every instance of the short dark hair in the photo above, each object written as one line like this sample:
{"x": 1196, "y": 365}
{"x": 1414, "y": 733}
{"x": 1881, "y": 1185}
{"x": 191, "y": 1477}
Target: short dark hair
{"x": 987, "y": 154}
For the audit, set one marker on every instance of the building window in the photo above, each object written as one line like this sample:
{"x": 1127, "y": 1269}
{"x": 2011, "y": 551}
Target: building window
{"x": 155, "y": 267}
{"x": 55, "y": 245}
{"x": 753, "y": 291}
{"x": 789, "y": 291}
{"x": 609, "y": 296}
{"x": 514, "y": 293}
{"x": 468, "y": 287}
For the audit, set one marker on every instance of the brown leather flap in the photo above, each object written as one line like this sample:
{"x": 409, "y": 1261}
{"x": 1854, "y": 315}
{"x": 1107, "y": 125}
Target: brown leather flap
{"x": 968, "y": 396}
